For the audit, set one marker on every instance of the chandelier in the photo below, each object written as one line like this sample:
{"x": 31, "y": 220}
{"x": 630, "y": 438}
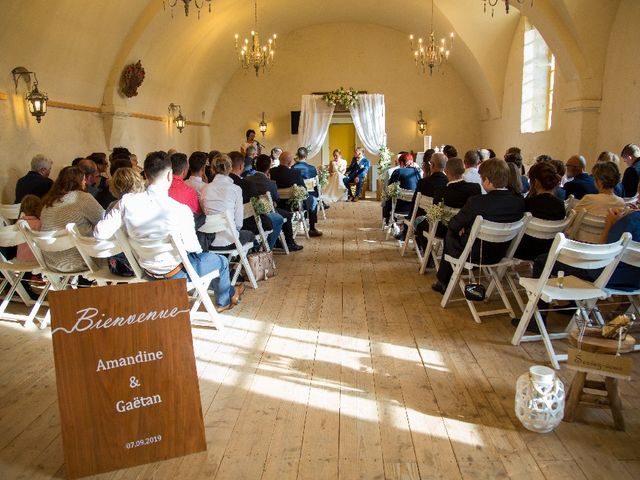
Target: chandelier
{"x": 493, "y": 3}
{"x": 254, "y": 55}
{"x": 187, "y": 4}
{"x": 431, "y": 55}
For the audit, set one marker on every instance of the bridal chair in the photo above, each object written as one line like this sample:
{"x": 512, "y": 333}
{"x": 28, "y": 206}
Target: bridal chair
{"x": 584, "y": 222}
{"x": 585, "y": 294}
{"x": 92, "y": 249}
{"x": 491, "y": 232}
{"x": 299, "y": 220}
{"x": 13, "y": 271}
{"x": 45, "y": 242}
{"x": 422, "y": 202}
{"x": 434, "y": 244}
{"x": 267, "y": 197}
{"x": 536, "y": 228}
{"x": 222, "y": 222}
{"x": 9, "y": 213}
{"x": 152, "y": 248}
{"x": 394, "y": 218}
{"x": 311, "y": 184}
{"x": 261, "y": 236}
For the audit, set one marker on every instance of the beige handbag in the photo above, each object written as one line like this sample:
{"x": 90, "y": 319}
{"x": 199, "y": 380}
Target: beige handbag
{"x": 262, "y": 265}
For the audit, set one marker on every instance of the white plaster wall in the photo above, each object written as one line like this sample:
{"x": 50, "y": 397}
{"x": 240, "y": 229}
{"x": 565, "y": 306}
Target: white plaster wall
{"x": 365, "y": 57}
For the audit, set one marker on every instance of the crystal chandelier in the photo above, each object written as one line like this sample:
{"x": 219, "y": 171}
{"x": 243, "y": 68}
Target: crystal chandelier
{"x": 187, "y": 4}
{"x": 493, "y": 3}
{"x": 254, "y": 55}
{"x": 431, "y": 55}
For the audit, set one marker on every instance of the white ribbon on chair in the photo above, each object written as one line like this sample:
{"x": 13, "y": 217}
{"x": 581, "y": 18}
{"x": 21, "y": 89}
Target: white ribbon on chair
{"x": 369, "y": 119}
{"x": 315, "y": 119}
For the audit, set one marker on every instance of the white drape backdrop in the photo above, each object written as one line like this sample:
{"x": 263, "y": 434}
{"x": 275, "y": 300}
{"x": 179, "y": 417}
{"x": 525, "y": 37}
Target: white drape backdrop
{"x": 315, "y": 118}
{"x": 369, "y": 120}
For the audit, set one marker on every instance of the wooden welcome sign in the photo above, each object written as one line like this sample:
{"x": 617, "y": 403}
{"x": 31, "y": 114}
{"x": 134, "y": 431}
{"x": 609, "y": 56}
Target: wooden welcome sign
{"x": 126, "y": 376}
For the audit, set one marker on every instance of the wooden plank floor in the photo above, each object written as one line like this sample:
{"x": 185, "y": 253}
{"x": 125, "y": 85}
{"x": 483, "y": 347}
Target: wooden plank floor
{"x": 344, "y": 366}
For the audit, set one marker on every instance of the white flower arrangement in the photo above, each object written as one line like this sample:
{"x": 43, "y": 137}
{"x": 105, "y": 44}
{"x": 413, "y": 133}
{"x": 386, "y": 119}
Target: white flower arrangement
{"x": 384, "y": 163}
{"x": 346, "y": 97}
{"x": 298, "y": 194}
{"x": 260, "y": 205}
{"x": 323, "y": 175}
{"x": 440, "y": 213}
{"x": 393, "y": 190}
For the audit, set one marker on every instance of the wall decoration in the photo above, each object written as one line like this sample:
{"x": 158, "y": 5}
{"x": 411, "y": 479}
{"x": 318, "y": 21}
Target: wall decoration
{"x": 131, "y": 79}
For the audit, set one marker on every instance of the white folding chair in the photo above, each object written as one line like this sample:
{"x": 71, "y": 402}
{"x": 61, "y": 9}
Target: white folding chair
{"x": 9, "y": 213}
{"x": 541, "y": 229}
{"x": 630, "y": 200}
{"x": 13, "y": 271}
{"x": 394, "y": 218}
{"x": 298, "y": 219}
{"x": 586, "y": 224}
{"x": 584, "y": 293}
{"x": 491, "y": 232}
{"x": 311, "y": 184}
{"x": 261, "y": 236}
{"x": 91, "y": 249}
{"x": 283, "y": 240}
{"x": 422, "y": 202}
{"x": 434, "y": 244}
{"x": 45, "y": 242}
{"x": 222, "y": 222}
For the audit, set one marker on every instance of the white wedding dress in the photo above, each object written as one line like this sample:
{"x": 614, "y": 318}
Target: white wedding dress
{"x": 335, "y": 190}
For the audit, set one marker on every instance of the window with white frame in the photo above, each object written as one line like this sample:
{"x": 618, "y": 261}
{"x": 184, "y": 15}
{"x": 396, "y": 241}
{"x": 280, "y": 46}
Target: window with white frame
{"x": 538, "y": 73}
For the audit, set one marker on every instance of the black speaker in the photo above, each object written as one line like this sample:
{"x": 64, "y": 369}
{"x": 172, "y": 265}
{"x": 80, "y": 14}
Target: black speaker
{"x": 295, "y": 121}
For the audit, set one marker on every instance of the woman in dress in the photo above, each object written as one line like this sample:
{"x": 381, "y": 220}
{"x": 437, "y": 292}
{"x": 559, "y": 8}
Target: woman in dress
{"x": 335, "y": 190}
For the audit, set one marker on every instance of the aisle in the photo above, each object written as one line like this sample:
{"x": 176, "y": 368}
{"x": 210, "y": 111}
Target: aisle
{"x": 343, "y": 366}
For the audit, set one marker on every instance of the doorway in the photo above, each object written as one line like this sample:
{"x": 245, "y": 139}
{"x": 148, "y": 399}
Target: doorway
{"x": 343, "y": 137}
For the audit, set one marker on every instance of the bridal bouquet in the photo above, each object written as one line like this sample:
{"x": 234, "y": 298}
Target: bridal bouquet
{"x": 345, "y": 97}
{"x": 439, "y": 213}
{"x": 323, "y": 176}
{"x": 298, "y": 194}
{"x": 260, "y": 205}
{"x": 385, "y": 159}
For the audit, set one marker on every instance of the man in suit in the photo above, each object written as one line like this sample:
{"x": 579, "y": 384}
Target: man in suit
{"x": 285, "y": 177}
{"x": 262, "y": 184}
{"x": 356, "y": 173}
{"x": 498, "y": 205}
{"x": 35, "y": 182}
{"x": 630, "y": 155}
{"x": 582, "y": 183}
{"x": 249, "y": 159}
{"x": 430, "y": 186}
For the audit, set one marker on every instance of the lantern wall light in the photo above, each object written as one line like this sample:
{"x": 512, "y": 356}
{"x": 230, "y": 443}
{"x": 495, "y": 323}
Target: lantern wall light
{"x": 36, "y": 100}
{"x": 263, "y": 126}
{"x": 179, "y": 120}
{"x": 422, "y": 124}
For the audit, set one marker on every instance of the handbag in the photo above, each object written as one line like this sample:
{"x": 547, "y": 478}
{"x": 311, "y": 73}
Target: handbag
{"x": 262, "y": 265}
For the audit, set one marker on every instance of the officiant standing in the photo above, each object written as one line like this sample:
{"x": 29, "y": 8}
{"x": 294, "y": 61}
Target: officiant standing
{"x": 356, "y": 173}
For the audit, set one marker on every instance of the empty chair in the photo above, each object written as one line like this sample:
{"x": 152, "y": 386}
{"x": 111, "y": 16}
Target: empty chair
{"x": 405, "y": 195}
{"x": 312, "y": 184}
{"x": 9, "y": 213}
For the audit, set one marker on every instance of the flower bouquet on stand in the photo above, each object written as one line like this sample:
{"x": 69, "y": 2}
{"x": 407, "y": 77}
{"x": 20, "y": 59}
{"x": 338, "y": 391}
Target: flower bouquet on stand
{"x": 323, "y": 176}
{"x": 440, "y": 213}
{"x": 298, "y": 195}
{"x": 260, "y": 205}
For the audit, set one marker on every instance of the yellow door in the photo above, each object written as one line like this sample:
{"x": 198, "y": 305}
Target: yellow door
{"x": 342, "y": 136}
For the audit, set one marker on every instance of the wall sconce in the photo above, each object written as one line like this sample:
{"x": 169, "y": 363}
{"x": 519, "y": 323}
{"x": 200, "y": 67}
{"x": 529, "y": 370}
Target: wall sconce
{"x": 422, "y": 124}
{"x": 263, "y": 126}
{"x": 36, "y": 100}
{"x": 179, "y": 120}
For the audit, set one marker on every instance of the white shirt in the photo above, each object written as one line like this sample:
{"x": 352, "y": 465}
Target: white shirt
{"x": 472, "y": 175}
{"x": 147, "y": 215}
{"x": 196, "y": 183}
{"x": 219, "y": 196}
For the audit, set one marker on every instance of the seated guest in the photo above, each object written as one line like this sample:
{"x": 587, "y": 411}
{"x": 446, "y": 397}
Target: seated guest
{"x": 515, "y": 157}
{"x": 450, "y": 151}
{"x": 582, "y": 183}
{"x": 105, "y": 197}
{"x": 35, "y": 182}
{"x": 67, "y": 202}
{"x": 102, "y": 164}
{"x": 612, "y": 157}
{"x": 471, "y": 162}
{"x": 179, "y": 190}
{"x": 275, "y": 156}
{"x": 30, "y": 209}
{"x": 454, "y": 195}
{"x": 220, "y": 196}
{"x": 542, "y": 204}
{"x": 407, "y": 175}
{"x": 153, "y": 214}
{"x": 483, "y": 154}
{"x": 498, "y": 205}
{"x": 196, "y": 176}
{"x": 606, "y": 176}
{"x": 119, "y": 152}
{"x": 560, "y": 170}
{"x": 308, "y": 172}
{"x": 212, "y": 156}
{"x": 250, "y": 156}
{"x": 91, "y": 178}
{"x": 544, "y": 158}
{"x": 285, "y": 177}
{"x": 630, "y": 155}
{"x": 515, "y": 182}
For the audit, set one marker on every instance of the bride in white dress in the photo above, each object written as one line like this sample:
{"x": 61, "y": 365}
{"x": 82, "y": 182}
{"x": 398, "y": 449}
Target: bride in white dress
{"x": 335, "y": 189}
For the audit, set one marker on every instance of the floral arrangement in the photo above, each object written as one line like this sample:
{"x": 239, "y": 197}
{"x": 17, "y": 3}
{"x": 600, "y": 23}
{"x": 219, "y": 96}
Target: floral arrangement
{"x": 323, "y": 175}
{"x": 260, "y": 205}
{"x": 385, "y": 159}
{"x": 131, "y": 78}
{"x": 345, "y": 97}
{"x": 393, "y": 190}
{"x": 440, "y": 213}
{"x": 298, "y": 194}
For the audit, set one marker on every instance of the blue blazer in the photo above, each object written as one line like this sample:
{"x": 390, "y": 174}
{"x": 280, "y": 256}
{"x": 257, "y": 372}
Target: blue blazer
{"x": 358, "y": 169}
{"x": 580, "y": 186}
{"x": 407, "y": 176}
{"x": 307, "y": 171}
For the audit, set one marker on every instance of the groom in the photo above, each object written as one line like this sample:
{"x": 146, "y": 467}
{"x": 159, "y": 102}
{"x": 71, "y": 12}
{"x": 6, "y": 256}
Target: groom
{"x": 356, "y": 173}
